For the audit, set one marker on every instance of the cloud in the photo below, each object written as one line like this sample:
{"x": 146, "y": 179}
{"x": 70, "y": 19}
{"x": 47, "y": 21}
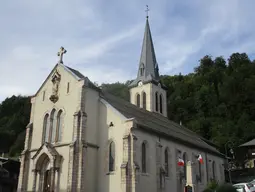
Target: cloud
{"x": 103, "y": 38}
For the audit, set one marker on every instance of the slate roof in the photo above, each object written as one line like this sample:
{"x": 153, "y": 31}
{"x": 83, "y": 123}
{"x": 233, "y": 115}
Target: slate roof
{"x": 158, "y": 124}
{"x": 77, "y": 73}
{"x": 248, "y": 144}
{"x": 147, "y": 60}
{"x": 153, "y": 122}
{"x": 81, "y": 76}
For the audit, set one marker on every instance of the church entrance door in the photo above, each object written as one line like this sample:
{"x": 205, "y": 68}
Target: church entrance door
{"x": 47, "y": 178}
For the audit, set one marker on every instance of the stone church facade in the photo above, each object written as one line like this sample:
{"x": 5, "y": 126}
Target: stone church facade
{"x": 81, "y": 138}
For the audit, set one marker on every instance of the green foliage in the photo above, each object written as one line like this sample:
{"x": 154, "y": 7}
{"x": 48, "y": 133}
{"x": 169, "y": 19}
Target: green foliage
{"x": 14, "y": 116}
{"x": 213, "y": 185}
{"x": 118, "y": 89}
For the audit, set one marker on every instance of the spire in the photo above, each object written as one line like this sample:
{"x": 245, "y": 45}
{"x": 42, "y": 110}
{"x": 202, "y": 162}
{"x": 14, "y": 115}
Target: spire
{"x": 148, "y": 67}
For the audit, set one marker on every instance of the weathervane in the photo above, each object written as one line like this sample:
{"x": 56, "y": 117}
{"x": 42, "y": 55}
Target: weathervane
{"x": 147, "y": 11}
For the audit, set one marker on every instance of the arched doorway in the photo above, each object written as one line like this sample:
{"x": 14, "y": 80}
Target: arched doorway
{"x": 46, "y": 169}
{"x": 43, "y": 167}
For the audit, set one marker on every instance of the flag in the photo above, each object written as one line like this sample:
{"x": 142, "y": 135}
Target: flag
{"x": 180, "y": 162}
{"x": 200, "y": 159}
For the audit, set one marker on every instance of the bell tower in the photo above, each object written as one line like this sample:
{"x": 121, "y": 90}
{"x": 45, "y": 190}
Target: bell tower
{"x": 146, "y": 91}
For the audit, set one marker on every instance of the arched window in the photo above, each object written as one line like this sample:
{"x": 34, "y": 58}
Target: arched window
{"x": 142, "y": 70}
{"x": 46, "y": 129}
{"x": 138, "y": 100}
{"x": 184, "y": 157}
{"x": 160, "y": 103}
{"x": 144, "y": 100}
{"x": 111, "y": 156}
{"x": 213, "y": 170}
{"x": 53, "y": 125}
{"x": 156, "y": 100}
{"x": 166, "y": 163}
{"x": 59, "y": 126}
{"x": 144, "y": 158}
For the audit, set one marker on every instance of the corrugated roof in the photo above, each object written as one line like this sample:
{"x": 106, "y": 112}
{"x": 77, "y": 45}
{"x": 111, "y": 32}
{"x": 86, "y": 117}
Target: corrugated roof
{"x": 158, "y": 123}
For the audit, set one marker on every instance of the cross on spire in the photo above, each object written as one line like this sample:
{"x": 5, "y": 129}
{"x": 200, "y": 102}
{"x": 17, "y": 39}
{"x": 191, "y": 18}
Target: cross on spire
{"x": 147, "y": 11}
{"x": 61, "y": 52}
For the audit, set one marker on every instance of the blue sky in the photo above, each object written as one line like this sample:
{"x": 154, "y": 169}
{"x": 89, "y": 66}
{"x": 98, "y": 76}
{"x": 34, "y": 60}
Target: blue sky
{"x": 103, "y": 38}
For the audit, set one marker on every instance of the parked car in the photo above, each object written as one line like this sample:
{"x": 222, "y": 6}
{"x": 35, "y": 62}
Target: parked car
{"x": 244, "y": 187}
{"x": 253, "y": 182}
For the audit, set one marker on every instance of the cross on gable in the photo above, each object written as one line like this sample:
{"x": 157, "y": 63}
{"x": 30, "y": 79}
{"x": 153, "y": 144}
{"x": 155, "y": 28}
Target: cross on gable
{"x": 61, "y": 52}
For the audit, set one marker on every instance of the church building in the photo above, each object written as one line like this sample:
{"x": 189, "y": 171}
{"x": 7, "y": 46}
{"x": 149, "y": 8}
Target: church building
{"x": 83, "y": 139}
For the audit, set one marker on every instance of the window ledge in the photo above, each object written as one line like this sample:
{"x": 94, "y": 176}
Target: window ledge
{"x": 111, "y": 173}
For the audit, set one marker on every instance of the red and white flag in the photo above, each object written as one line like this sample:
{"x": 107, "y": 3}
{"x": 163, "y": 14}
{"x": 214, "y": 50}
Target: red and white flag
{"x": 200, "y": 159}
{"x": 180, "y": 162}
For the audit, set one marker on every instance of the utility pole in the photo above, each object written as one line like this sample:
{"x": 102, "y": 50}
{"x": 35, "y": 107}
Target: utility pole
{"x": 226, "y": 155}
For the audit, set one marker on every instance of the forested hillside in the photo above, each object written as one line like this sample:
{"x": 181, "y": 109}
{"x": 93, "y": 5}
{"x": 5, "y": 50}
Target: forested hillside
{"x": 217, "y": 101}
{"x": 14, "y": 116}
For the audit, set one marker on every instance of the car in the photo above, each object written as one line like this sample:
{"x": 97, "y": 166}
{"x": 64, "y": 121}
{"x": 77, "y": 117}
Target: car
{"x": 244, "y": 187}
{"x": 253, "y": 182}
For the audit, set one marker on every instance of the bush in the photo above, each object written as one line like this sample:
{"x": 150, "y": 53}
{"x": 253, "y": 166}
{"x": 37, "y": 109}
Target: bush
{"x": 212, "y": 185}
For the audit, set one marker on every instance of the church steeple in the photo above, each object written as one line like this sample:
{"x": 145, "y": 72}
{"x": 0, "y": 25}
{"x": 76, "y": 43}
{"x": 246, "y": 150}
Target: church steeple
{"x": 148, "y": 70}
{"x": 146, "y": 91}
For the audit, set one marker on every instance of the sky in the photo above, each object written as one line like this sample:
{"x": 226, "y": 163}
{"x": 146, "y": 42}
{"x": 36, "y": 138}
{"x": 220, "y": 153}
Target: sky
{"x": 103, "y": 38}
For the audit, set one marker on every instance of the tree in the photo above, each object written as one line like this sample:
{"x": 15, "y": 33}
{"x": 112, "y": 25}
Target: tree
{"x": 217, "y": 101}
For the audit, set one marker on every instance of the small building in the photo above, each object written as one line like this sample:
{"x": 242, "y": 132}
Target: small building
{"x": 9, "y": 172}
{"x": 248, "y": 152}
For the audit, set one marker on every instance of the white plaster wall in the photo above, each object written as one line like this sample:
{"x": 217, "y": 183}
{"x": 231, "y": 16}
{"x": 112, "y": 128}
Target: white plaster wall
{"x": 92, "y": 110}
{"x": 64, "y": 152}
{"x": 138, "y": 90}
{"x": 148, "y": 182}
{"x": 30, "y": 173}
{"x": 110, "y": 182}
{"x": 218, "y": 163}
{"x": 150, "y": 90}
{"x": 67, "y": 102}
{"x": 91, "y": 169}
{"x": 164, "y": 96}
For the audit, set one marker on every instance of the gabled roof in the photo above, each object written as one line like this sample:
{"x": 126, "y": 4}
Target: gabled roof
{"x": 159, "y": 124}
{"x": 46, "y": 147}
{"x": 248, "y": 144}
{"x": 76, "y": 74}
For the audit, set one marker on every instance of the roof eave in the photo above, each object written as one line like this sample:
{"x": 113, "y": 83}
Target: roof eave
{"x": 155, "y": 82}
{"x": 179, "y": 140}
